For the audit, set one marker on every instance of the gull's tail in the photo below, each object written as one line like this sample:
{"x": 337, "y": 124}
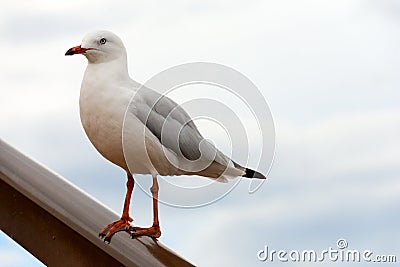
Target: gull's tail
{"x": 249, "y": 173}
{"x": 253, "y": 174}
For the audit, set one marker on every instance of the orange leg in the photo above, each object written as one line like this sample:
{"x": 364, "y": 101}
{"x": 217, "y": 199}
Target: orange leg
{"x": 122, "y": 224}
{"x": 154, "y": 230}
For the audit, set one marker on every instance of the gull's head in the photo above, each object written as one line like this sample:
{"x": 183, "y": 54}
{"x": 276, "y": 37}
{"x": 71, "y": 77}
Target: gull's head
{"x": 100, "y": 47}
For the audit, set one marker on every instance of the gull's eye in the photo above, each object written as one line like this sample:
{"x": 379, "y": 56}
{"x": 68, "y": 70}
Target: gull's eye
{"x": 103, "y": 41}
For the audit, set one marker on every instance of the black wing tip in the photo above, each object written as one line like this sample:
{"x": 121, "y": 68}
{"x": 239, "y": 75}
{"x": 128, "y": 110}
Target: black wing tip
{"x": 253, "y": 174}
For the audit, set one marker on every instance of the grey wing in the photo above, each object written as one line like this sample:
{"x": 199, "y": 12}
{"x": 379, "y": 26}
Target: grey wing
{"x": 173, "y": 127}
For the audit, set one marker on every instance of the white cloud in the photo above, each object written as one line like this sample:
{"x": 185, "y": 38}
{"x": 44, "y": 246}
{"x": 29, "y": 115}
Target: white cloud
{"x": 10, "y": 257}
{"x": 353, "y": 143}
{"x": 13, "y": 255}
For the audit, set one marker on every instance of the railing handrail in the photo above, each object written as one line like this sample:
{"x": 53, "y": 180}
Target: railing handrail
{"x": 73, "y": 220}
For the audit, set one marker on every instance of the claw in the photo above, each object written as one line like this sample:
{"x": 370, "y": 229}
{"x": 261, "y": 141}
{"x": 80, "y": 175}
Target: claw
{"x": 103, "y": 232}
{"x": 111, "y": 229}
{"x": 153, "y": 232}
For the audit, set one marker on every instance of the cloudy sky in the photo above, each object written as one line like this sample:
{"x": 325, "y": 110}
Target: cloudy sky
{"x": 328, "y": 70}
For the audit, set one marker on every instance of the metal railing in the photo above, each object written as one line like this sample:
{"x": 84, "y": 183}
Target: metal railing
{"x": 58, "y": 223}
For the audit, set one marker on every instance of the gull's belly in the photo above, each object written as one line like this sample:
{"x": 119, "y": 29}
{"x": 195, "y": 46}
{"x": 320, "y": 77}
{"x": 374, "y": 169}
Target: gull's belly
{"x": 103, "y": 120}
{"x": 104, "y": 128}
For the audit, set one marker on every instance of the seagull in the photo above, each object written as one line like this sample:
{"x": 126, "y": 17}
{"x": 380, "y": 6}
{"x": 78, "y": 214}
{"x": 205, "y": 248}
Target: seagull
{"x": 140, "y": 130}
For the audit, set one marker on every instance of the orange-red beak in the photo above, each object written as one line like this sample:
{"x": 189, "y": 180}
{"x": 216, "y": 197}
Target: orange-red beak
{"x": 76, "y": 50}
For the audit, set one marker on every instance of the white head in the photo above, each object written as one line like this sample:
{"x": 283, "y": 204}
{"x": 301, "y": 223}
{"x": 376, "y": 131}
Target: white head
{"x": 100, "y": 47}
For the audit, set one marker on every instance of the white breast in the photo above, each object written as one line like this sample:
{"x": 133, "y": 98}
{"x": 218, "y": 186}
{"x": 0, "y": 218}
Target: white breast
{"x": 102, "y": 115}
{"x": 102, "y": 111}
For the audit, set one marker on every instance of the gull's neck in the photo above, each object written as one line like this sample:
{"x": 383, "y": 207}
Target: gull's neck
{"x": 115, "y": 69}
